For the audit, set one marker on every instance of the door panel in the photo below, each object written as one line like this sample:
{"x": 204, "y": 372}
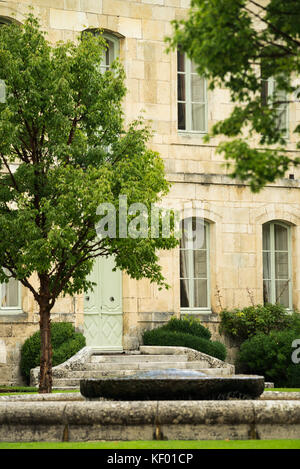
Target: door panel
{"x": 103, "y": 315}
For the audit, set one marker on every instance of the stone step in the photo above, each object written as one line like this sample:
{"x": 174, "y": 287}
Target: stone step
{"x": 111, "y": 366}
{"x": 158, "y": 350}
{"x": 142, "y": 365}
{"x": 72, "y": 379}
{"x": 126, "y": 358}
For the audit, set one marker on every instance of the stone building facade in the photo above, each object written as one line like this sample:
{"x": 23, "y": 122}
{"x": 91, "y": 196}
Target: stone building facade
{"x": 243, "y": 230}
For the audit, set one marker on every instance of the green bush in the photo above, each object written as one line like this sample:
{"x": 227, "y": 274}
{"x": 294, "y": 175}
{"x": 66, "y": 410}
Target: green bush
{"x": 164, "y": 337}
{"x": 65, "y": 343}
{"x": 241, "y": 324}
{"x": 187, "y": 325}
{"x": 270, "y": 355}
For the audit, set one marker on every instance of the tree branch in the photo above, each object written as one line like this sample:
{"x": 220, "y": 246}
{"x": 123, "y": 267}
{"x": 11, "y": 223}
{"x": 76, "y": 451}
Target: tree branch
{"x": 10, "y": 173}
{"x": 271, "y": 26}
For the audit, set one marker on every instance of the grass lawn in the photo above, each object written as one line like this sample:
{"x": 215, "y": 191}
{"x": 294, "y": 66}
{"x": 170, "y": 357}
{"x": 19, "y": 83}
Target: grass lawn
{"x": 283, "y": 389}
{"x": 178, "y": 444}
{"x": 12, "y": 391}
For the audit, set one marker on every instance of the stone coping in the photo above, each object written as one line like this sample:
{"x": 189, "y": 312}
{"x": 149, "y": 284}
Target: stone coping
{"x": 144, "y": 420}
{"x": 76, "y": 396}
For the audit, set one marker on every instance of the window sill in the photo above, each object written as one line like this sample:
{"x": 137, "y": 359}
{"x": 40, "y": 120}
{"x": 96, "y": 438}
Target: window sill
{"x": 10, "y": 311}
{"x": 192, "y": 133}
{"x": 195, "y": 311}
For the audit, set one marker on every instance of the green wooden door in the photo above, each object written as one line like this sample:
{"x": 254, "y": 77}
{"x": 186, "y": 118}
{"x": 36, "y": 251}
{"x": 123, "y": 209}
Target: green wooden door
{"x": 103, "y": 315}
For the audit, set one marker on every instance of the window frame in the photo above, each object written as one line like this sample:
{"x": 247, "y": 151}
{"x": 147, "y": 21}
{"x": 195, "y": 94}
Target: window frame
{"x": 188, "y": 98}
{"x": 268, "y": 92}
{"x": 107, "y": 36}
{"x": 272, "y": 252}
{"x": 204, "y": 309}
{"x": 11, "y": 309}
{"x": 3, "y": 21}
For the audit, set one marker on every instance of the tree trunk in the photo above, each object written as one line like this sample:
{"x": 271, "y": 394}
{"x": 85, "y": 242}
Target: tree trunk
{"x": 45, "y": 384}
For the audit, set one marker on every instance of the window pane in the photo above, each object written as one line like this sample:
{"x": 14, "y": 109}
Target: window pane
{"x": 282, "y": 292}
{"x": 200, "y": 267}
{"x": 200, "y": 293}
{"x": 267, "y": 291}
{"x": 193, "y": 233}
{"x": 181, "y": 116}
{"x": 282, "y": 119}
{"x": 108, "y": 55}
{"x": 266, "y": 237}
{"x": 181, "y": 87}
{"x": 10, "y": 294}
{"x": 281, "y": 265}
{"x": 266, "y": 265}
{"x": 2, "y": 91}
{"x": 281, "y": 238}
{"x": 185, "y": 267}
{"x": 198, "y": 89}
{"x": 198, "y": 117}
{"x": 180, "y": 61}
{"x": 193, "y": 67}
{"x": 184, "y": 294}
{"x": 264, "y": 92}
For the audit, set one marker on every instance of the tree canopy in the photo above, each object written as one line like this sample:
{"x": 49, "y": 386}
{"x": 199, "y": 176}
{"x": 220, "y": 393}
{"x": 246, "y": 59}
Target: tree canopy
{"x": 65, "y": 149}
{"x": 241, "y": 45}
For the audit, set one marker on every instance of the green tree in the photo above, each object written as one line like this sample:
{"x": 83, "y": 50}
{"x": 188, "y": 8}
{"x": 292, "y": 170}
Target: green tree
{"x": 242, "y": 45}
{"x": 63, "y": 128}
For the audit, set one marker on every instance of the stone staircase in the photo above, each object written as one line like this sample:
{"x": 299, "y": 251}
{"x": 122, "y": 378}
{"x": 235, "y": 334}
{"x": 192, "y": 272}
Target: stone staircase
{"x": 89, "y": 363}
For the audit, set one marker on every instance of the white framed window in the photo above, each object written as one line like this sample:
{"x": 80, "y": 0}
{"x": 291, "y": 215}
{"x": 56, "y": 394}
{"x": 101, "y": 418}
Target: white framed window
{"x": 191, "y": 97}
{"x": 10, "y": 296}
{"x": 271, "y": 95}
{"x": 112, "y": 50}
{"x": 3, "y": 21}
{"x": 277, "y": 264}
{"x": 111, "y": 53}
{"x": 194, "y": 268}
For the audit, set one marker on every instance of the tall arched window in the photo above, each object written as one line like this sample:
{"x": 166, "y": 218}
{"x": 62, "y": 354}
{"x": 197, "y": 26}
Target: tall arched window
{"x": 3, "y": 21}
{"x": 194, "y": 266}
{"x": 10, "y": 292}
{"x": 277, "y": 264}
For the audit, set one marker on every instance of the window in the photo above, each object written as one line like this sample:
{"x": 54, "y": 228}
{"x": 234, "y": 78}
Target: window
{"x": 3, "y": 21}
{"x": 112, "y": 50}
{"x": 194, "y": 267}
{"x": 277, "y": 272}
{"x": 271, "y": 94}
{"x": 191, "y": 96}
{"x": 110, "y": 53}
{"x": 10, "y": 295}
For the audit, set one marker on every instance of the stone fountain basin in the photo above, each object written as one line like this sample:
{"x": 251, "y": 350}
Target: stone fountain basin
{"x": 173, "y": 384}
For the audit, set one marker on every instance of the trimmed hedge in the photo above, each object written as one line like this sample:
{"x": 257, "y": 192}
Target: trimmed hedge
{"x": 163, "y": 336}
{"x": 189, "y": 326}
{"x": 65, "y": 343}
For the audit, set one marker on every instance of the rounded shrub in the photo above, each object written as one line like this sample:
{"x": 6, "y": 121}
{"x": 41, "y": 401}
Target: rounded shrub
{"x": 65, "y": 343}
{"x": 164, "y": 337}
{"x": 188, "y": 325}
{"x": 270, "y": 355}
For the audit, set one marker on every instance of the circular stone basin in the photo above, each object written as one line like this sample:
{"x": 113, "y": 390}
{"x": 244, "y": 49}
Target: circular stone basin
{"x": 173, "y": 384}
